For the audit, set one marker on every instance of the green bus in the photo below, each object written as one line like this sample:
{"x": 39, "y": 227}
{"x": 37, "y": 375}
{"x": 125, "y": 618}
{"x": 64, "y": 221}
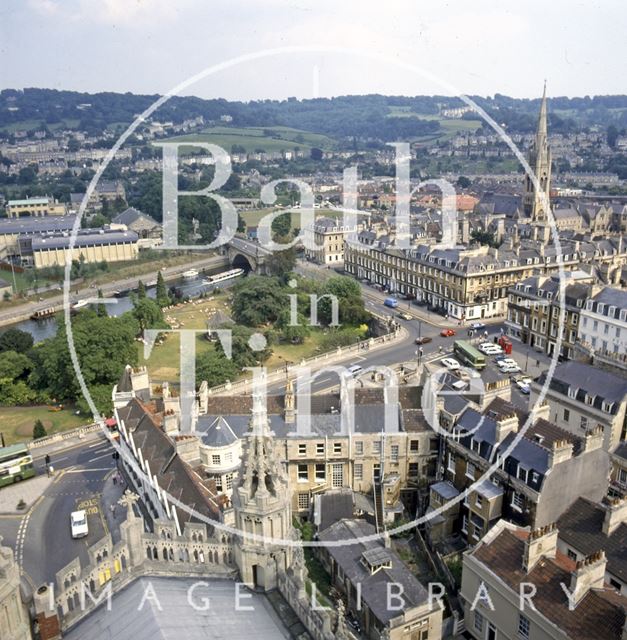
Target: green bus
{"x": 468, "y": 355}
{"x": 16, "y": 463}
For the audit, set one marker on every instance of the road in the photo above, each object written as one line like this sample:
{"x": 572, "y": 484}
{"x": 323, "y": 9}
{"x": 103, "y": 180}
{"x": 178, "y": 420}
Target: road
{"x": 83, "y": 477}
{"x": 21, "y": 312}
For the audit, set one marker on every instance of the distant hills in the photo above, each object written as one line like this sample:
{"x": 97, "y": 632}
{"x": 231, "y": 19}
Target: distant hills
{"x": 345, "y": 119}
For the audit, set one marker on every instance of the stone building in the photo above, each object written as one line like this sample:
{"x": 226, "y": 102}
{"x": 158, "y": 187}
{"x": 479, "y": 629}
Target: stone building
{"x": 35, "y": 207}
{"x": 14, "y": 619}
{"x": 328, "y": 235}
{"x": 511, "y": 562}
{"x": 538, "y": 478}
{"x": 582, "y": 397}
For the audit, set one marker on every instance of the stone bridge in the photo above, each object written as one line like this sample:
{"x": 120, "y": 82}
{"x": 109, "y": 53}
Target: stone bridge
{"x": 247, "y": 255}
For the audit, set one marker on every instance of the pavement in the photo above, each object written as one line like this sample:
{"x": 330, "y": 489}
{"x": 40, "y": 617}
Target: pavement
{"x": 28, "y": 490}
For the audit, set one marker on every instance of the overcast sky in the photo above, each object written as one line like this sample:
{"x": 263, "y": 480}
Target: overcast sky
{"x": 480, "y": 47}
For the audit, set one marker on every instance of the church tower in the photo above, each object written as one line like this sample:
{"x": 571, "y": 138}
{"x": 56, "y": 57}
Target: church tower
{"x": 14, "y": 620}
{"x": 262, "y": 505}
{"x": 536, "y": 202}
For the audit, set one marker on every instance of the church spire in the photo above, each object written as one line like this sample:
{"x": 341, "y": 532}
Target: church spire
{"x": 541, "y": 132}
{"x": 536, "y": 200}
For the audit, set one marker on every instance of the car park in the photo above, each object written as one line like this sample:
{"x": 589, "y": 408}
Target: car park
{"x": 447, "y": 333}
{"x": 423, "y": 340}
{"x": 78, "y": 523}
{"x": 451, "y": 364}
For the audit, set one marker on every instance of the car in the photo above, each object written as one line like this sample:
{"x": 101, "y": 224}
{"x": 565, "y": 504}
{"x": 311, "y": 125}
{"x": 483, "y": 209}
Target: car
{"x": 477, "y": 325}
{"x": 507, "y": 362}
{"x": 423, "y": 340}
{"x": 447, "y": 333}
{"x": 355, "y": 370}
{"x": 489, "y": 349}
{"x": 523, "y": 387}
{"x": 451, "y": 364}
{"x": 510, "y": 369}
{"x": 404, "y": 316}
{"x": 78, "y": 523}
{"x": 391, "y": 302}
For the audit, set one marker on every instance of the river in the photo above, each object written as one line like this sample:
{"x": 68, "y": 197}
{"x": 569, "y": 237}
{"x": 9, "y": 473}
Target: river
{"x": 46, "y": 328}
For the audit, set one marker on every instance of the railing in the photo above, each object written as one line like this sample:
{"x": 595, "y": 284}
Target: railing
{"x": 283, "y": 371}
{"x": 79, "y": 432}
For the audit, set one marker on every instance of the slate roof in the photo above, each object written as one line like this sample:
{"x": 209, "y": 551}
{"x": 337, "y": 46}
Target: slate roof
{"x": 83, "y": 239}
{"x": 445, "y": 489}
{"x": 131, "y": 215}
{"x": 588, "y": 379}
{"x": 176, "y": 618}
{"x": 32, "y": 224}
{"x": 599, "y": 615}
{"x": 174, "y": 475}
{"x": 581, "y": 527}
{"x": 333, "y": 506}
{"x": 219, "y": 434}
{"x": 373, "y": 586}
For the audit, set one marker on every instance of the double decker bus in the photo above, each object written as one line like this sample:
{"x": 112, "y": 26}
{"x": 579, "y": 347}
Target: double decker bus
{"x": 468, "y": 355}
{"x": 16, "y": 463}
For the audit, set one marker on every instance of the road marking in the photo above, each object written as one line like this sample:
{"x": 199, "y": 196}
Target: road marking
{"x": 88, "y": 470}
{"x": 96, "y": 444}
{"x": 104, "y": 455}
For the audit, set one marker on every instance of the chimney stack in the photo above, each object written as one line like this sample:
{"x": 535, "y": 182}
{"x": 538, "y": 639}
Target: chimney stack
{"x": 589, "y": 574}
{"x": 541, "y": 543}
{"x": 615, "y": 514}
{"x": 560, "y": 451}
{"x": 593, "y": 439}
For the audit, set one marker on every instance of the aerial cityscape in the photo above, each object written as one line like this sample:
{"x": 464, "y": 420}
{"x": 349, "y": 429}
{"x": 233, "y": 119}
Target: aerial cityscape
{"x": 308, "y": 331}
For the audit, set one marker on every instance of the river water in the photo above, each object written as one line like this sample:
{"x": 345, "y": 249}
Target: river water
{"x": 46, "y": 328}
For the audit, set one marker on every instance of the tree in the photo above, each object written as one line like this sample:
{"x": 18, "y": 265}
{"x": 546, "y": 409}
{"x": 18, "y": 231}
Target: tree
{"x": 39, "y": 431}
{"x": 101, "y": 309}
{"x": 16, "y": 340}
{"x": 282, "y": 225}
{"x": 463, "y": 182}
{"x": 141, "y": 290}
{"x": 258, "y": 300}
{"x": 281, "y": 263}
{"x": 612, "y": 136}
{"x": 14, "y": 365}
{"x": 163, "y": 299}
{"x": 316, "y": 154}
{"x": 104, "y": 346}
{"x": 148, "y": 314}
{"x": 214, "y": 367}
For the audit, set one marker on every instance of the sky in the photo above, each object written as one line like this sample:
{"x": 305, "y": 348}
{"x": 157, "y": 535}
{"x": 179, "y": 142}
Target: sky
{"x": 401, "y": 47}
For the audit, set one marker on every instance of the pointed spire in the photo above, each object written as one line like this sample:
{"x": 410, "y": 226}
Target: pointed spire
{"x": 541, "y": 132}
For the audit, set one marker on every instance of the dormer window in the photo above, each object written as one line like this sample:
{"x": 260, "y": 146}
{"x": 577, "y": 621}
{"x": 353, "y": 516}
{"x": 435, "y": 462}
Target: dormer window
{"x": 607, "y": 406}
{"x": 376, "y": 559}
{"x": 522, "y": 474}
{"x": 572, "y": 392}
{"x": 590, "y": 399}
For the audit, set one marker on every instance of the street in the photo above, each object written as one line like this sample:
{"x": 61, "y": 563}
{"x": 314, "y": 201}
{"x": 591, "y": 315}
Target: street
{"x": 83, "y": 479}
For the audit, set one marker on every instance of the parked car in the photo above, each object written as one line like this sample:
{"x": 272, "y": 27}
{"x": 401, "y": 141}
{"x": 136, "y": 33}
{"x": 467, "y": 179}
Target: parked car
{"x": 451, "y": 364}
{"x": 447, "y": 333}
{"x": 78, "y": 523}
{"x": 477, "y": 325}
{"x": 423, "y": 340}
{"x": 510, "y": 368}
{"x": 507, "y": 362}
{"x": 391, "y": 302}
{"x": 405, "y": 316}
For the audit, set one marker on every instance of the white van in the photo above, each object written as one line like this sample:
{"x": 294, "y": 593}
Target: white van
{"x": 355, "y": 370}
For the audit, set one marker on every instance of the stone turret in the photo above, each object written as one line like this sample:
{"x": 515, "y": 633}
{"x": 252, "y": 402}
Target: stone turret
{"x": 13, "y": 613}
{"x": 262, "y": 505}
{"x": 290, "y": 403}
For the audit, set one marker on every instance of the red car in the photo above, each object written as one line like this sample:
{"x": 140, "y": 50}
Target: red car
{"x": 447, "y": 333}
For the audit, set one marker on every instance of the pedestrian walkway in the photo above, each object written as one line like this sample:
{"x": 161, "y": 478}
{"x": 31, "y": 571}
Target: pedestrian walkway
{"x": 27, "y": 490}
{"x": 112, "y": 490}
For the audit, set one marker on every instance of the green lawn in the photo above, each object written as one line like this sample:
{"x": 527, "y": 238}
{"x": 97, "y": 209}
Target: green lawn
{"x": 17, "y": 423}
{"x": 252, "y": 138}
{"x": 252, "y": 218}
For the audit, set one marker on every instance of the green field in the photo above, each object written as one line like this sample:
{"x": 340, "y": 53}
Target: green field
{"x": 252, "y": 138}
{"x": 27, "y": 125}
{"x": 450, "y": 126}
{"x": 17, "y": 422}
